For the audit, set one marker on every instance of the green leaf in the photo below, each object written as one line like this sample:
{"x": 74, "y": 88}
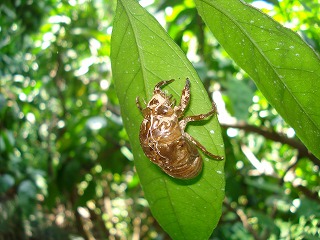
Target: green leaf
{"x": 6, "y": 182}
{"x": 142, "y": 54}
{"x": 283, "y": 66}
{"x": 240, "y": 95}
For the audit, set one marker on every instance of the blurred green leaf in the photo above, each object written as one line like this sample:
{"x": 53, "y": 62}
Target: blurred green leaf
{"x": 240, "y": 95}
{"x": 142, "y": 55}
{"x": 27, "y": 189}
{"x": 88, "y": 194}
{"x": 8, "y": 140}
{"x": 6, "y": 182}
{"x": 3, "y": 103}
{"x": 68, "y": 175}
{"x": 283, "y": 66}
{"x": 27, "y": 192}
{"x": 267, "y": 223}
{"x": 261, "y": 184}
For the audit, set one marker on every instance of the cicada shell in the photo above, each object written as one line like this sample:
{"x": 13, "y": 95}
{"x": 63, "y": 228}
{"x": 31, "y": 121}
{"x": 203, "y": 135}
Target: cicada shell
{"x": 163, "y": 137}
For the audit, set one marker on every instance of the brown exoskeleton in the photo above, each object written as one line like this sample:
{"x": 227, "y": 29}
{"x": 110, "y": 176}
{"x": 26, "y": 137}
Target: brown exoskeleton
{"x": 163, "y": 137}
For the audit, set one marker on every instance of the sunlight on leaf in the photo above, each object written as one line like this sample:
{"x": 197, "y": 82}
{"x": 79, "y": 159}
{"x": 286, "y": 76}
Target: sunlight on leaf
{"x": 283, "y": 66}
{"x": 142, "y": 55}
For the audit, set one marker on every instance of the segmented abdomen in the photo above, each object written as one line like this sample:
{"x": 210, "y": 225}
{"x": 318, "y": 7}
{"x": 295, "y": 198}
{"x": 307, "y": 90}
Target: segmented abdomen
{"x": 178, "y": 158}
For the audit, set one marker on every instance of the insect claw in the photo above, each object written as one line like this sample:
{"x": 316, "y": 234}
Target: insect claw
{"x": 139, "y": 104}
{"x": 187, "y": 83}
{"x": 214, "y": 108}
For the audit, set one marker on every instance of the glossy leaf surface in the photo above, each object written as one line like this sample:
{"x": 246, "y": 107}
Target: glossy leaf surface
{"x": 142, "y": 55}
{"x": 283, "y": 66}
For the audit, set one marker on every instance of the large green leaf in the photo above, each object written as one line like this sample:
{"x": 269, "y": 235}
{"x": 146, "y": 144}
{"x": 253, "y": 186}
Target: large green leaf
{"x": 142, "y": 55}
{"x": 283, "y": 66}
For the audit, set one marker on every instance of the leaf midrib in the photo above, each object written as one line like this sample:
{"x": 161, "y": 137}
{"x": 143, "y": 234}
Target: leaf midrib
{"x": 145, "y": 87}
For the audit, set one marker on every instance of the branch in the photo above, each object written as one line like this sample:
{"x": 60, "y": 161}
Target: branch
{"x": 307, "y": 192}
{"x": 242, "y": 217}
{"x": 272, "y": 135}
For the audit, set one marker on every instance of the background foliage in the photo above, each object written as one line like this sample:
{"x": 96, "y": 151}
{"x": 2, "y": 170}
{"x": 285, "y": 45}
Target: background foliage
{"x": 66, "y": 166}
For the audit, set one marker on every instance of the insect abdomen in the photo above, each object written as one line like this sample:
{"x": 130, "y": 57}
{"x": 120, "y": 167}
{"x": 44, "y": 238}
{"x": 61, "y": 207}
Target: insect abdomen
{"x": 185, "y": 161}
{"x": 179, "y": 158}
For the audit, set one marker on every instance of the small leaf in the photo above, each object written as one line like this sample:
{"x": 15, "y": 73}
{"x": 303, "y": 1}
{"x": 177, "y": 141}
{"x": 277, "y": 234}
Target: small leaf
{"x": 142, "y": 55}
{"x": 283, "y": 66}
{"x": 240, "y": 95}
{"x": 6, "y": 182}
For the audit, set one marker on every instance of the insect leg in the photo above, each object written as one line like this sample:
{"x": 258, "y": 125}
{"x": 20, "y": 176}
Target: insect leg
{"x": 199, "y": 145}
{"x": 202, "y": 116}
{"x": 184, "y": 100}
{"x": 160, "y": 84}
{"x": 139, "y": 105}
